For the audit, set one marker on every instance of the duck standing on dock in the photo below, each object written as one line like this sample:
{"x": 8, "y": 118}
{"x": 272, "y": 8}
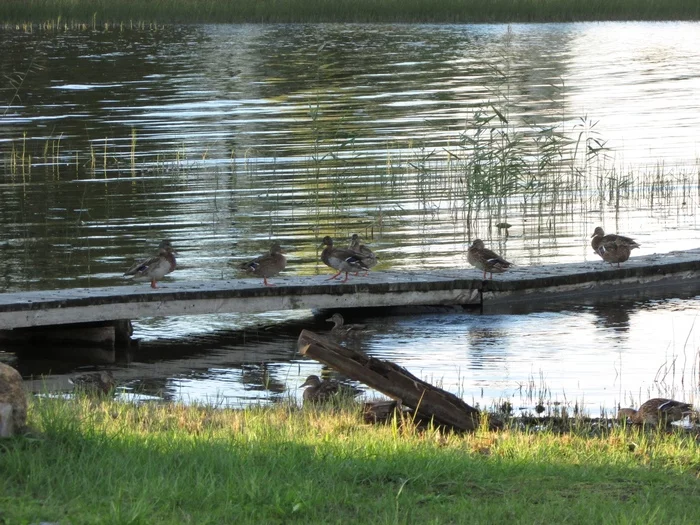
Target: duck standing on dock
{"x": 612, "y": 248}
{"x": 370, "y": 258}
{"x": 94, "y": 383}
{"x": 155, "y": 268}
{"x": 657, "y": 411}
{"x": 342, "y": 259}
{"x": 614, "y": 253}
{"x": 484, "y": 259}
{"x": 267, "y": 265}
{"x": 325, "y": 391}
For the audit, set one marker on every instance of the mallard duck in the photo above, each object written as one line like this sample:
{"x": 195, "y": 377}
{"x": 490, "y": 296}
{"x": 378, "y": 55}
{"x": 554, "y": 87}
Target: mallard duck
{"x": 368, "y": 256}
{"x": 614, "y": 253}
{"x": 318, "y": 391}
{"x": 340, "y": 328}
{"x": 342, "y": 259}
{"x": 267, "y": 265}
{"x": 657, "y": 411}
{"x": 101, "y": 383}
{"x": 617, "y": 246}
{"x": 484, "y": 259}
{"x": 154, "y": 268}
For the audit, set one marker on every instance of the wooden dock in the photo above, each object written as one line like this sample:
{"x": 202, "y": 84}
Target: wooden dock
{"x": 379, "y": 289}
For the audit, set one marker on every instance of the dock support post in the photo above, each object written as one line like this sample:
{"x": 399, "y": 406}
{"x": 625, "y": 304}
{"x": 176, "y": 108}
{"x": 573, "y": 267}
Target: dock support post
{"x": 101, "y": 333}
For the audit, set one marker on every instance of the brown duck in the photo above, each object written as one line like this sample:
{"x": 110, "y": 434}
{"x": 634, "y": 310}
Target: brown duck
{"x": 340, "y": 328}
{"x": 318, "y": 391}
{"x": 267, "y": 265}
{"x": 484, "y": 259}
{"x": 612, "y": 248}
{"x": 368, "y": 255}
{"x": 614, "y": 253}
{"x": 155, "y": 268}
{"x": 657, "y": 411}
{"x": 342, "y": 259}
{"x": 100, "y": 383}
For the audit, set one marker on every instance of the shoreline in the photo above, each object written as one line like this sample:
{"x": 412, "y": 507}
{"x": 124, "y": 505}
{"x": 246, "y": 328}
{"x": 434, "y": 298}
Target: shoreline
{"x": 98, "y": 14}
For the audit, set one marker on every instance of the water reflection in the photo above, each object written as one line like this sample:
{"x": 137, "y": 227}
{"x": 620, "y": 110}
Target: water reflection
{"x": 486, "y": 345}
{"x": 224, "y": 137}
{"x": 139, "y": 136}
{"x": 593, "y": 353}
{"x": 614, "y": 318}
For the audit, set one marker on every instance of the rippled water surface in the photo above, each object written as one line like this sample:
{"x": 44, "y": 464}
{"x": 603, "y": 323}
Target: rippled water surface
{"x": 420, "y": 138}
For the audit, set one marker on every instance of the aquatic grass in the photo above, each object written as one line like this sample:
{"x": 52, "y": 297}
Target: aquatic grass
{"x": 99, "y": 461}
{"x": 497, "y": 167}
{"x": 494, "y": 169}
{"x": 96, "y": 14}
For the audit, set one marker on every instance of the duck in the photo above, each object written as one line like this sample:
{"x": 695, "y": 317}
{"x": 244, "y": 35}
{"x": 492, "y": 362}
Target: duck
{"x": 656, "y": 411}
{"x": 368, "y": 255}
{"x": 342, "y": 259}
{"x": 484, "y": 259}
{"x": 340, "y": 328}
{"x": 617, "y": 244}
{"x": 324, "y": 391}
{"x": 614, "y": 253}
{"x": 100, "y": 383}
{"x": 155, "y": 268}
{"x": 267, "y": 265}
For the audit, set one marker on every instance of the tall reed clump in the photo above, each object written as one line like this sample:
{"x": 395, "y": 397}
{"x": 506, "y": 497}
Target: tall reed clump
{"x": 489, "y": 164}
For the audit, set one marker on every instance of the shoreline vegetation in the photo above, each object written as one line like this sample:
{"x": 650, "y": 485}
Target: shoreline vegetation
{"x": 106, "y": 13}
{"x": 90, "y": 460}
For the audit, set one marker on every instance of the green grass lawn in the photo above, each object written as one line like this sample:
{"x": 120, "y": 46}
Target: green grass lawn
{"x": 98, "y": 12}
{"x": 108, "y": 462}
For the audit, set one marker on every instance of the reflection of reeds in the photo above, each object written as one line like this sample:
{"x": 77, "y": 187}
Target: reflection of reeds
{"x": 495, "y": 169}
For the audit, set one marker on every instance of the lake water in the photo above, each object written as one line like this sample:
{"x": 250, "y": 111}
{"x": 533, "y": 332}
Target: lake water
{"x": 420, "y": 138}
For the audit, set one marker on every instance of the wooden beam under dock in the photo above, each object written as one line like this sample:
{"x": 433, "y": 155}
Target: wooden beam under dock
{"x": 379, "y": 289}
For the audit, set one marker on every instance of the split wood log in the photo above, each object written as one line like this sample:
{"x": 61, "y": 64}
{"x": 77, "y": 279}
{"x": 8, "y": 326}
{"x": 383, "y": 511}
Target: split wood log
{"x": 428, "y": 401}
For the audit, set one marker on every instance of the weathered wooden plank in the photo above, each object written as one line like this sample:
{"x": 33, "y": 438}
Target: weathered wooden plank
{"x": 379, "y": 289}
{"x": 673, "y": 269}
{"x": 240, "y": 295}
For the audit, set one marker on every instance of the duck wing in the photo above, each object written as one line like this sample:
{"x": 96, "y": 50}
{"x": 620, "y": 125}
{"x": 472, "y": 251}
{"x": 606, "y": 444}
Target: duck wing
{"x": 252, "y": 266}
{"x": 619, "y": 240}
{"x": 340, "y": 258}
{"x": 494, "y": 260}
{"x": 143, "y": 267}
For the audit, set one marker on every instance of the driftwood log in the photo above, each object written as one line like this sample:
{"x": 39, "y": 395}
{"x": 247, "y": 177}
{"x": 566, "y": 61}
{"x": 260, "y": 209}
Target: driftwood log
{"x": 428, "y": 401}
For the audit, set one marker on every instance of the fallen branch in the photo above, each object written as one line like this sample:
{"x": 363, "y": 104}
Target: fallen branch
{"x": 428, "y": 401}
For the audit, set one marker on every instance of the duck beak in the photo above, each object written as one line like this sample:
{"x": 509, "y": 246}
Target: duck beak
{"x": 306, "y": 383}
